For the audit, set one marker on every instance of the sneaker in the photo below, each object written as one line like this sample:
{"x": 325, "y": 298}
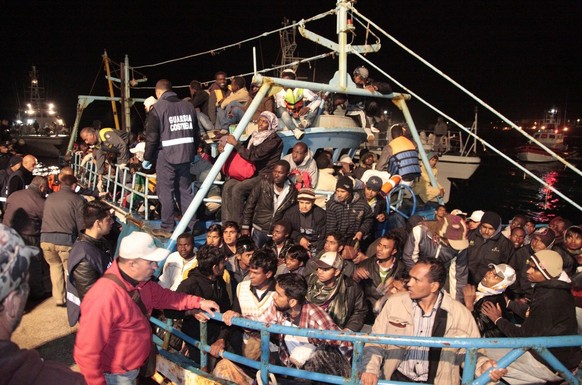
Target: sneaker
{"x": 298, "y": 133}
{"x": 161, "y": 233}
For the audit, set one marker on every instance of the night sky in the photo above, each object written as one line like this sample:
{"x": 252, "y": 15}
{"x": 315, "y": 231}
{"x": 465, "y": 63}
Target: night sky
{"x": 522, "y": 57}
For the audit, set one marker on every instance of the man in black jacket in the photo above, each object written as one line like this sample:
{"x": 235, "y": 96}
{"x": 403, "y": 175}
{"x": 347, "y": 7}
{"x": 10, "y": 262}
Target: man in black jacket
{"x": 24, "y": 210}
{"x": 552, "y": 313}
{"x": 205, "y": 280}
{"x": 89, "y": 257}
{"x": 61, "y": 223}
{"x": 172, "y": 135}
{"x": 487, "y": 245}
{"x": 267, "y": 203}
{"x": 307, "y": 221}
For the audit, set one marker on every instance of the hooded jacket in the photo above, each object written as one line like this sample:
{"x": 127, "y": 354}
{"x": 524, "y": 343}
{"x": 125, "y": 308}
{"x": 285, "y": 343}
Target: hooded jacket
{"x": 308, "y": 165}
{"x": 552, "y": 313}
{"x": 482, "y": 252}
{"x": 350, "y": 216}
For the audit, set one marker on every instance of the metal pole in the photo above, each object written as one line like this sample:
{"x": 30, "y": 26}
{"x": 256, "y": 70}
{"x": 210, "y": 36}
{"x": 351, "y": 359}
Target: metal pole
{"x": 125, "y": 86}
{"x": 111, "y": 92}
{"x": 401, "y": 104}
{"x": 342, "y": 41}
{"x": 191, "y": 211}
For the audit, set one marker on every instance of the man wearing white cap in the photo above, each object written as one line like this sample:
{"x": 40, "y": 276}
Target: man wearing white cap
{"x": 552, "y": 314}
{"x": 475, "y": 219}
{"x": 114, "y": 335}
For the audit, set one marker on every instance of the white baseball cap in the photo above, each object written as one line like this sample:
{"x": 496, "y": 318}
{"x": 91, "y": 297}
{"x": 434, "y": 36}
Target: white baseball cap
{"x": 141, "y": 245}
{"x": 476, "y": 216}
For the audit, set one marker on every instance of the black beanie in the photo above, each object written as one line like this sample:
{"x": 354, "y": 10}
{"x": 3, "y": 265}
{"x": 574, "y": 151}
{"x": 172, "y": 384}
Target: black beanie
{"x": 492, "y": 219}
{"x": 345, "y": 183}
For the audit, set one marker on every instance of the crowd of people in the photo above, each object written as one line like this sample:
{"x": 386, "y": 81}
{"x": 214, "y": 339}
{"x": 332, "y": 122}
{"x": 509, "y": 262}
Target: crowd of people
{"x": 282, "y": 252}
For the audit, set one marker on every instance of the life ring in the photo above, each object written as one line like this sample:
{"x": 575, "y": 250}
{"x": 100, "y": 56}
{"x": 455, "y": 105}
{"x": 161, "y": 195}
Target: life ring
{"x": 392, "y": 182}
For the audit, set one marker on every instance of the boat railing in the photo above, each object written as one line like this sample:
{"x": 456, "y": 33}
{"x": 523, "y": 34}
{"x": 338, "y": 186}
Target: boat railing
{"x": 125, "y": 185}
{"x": 517, "y": 346}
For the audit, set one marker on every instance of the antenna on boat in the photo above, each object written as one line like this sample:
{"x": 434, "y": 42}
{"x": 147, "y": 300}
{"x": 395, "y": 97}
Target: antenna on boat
{"x": 255, "y": 61}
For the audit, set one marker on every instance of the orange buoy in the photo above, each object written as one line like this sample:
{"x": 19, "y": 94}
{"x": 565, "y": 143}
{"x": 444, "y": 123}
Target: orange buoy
{"x": 392, "y": 182}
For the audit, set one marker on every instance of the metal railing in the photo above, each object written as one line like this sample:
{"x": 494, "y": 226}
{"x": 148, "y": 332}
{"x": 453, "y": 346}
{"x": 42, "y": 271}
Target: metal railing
{"x": 518, "y": 347}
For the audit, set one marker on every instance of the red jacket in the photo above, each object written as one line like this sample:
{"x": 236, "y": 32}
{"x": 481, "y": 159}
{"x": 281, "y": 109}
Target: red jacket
{"x": 114, "y": 336}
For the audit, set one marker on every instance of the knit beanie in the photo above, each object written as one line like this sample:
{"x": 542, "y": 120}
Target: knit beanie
{"x": 546, "y": 235}
{"x": 492, "y": 219}
{"x": 345, "y": 183}
{"x": 549, "y": 263}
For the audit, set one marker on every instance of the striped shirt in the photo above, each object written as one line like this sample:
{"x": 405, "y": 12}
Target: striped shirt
{"x": 415, "y": 363}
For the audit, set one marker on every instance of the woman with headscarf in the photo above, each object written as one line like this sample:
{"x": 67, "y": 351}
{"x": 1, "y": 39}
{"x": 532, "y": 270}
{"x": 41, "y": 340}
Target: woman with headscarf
{"x": 263, "y": 149}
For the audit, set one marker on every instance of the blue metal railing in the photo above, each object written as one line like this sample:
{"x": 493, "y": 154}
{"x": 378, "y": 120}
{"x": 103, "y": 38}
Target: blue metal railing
{"x": 518, "y": 347}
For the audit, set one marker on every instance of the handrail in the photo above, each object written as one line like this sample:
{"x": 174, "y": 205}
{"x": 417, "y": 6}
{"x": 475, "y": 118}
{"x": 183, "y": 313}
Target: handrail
{"x": 518, "y": 346}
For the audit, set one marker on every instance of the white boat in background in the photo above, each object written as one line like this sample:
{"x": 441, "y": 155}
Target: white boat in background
{"x": 551, "y": 135}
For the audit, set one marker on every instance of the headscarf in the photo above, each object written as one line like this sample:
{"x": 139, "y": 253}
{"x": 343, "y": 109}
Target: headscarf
{"x": 259, "y": 137}
{"x": 498, "y": 288}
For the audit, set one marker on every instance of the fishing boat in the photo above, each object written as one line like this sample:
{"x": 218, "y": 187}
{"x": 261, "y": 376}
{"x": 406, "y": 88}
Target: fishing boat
{"x": 551, "y": 135}
{"x": 340, "y": 134}
{"x": 39, "y": 127}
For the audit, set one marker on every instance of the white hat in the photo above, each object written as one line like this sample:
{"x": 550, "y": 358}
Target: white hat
{"x": 141, "y": 245}
{"x": 346, "y": 159}
{"x": 140, "y": 147}
{"x": 329, "y": 260}
{"x": 458, "y": 212}
{"x": 476, "y": 215}
{"x": 149, "y": 102}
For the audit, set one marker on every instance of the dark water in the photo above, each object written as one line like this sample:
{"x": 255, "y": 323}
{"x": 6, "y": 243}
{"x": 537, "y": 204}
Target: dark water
{"x": 500, "y": 186}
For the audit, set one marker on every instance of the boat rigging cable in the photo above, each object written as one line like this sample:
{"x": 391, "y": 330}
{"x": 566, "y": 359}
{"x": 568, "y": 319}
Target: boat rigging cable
{"x": 237, "y": 44}
{"x": 274, "y": 68}
{"x": 471, "y": 133}
{"x": 469, "y": 93}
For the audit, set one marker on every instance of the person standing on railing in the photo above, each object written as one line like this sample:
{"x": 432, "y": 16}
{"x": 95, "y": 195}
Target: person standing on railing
{"x": 552, "y": 313}
{"x": 114, "y": 338}
{"x": 172, "y": 137}
{"x": 425, "y": 311}
{"x": 440, "y": 130}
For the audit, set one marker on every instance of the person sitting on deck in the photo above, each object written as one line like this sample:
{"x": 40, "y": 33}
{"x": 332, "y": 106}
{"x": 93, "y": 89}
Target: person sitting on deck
{"x": 280, "y": 241}
{"x": 423, "y": 187}
{"x": 491, "y": 289}
{"x": 295, "y": 261}
{"x": 267, "y": 203}
{"x": 239, "y": 97}
{"x": 304, "y": 172}
{"x": 399, "y": 156}
{"x": 179, "y": 263}
{"x": 337, "y": 293}
{"x": 307, "y": 221}
{"x": 263, "y": 151}
{"x": 348, "y": 212}
{"x": 239, "y": 263}
{"x": 205, "y": 281}
{"x": 552, "y": 314}
{"x": 217, "y": 93}
{"x": 254, "y": 297}
{"x": 363, "y": 108}
{"x": 297, "y": 107}
{"x": 426, "y": 310}
{"x": 376, "y": 275}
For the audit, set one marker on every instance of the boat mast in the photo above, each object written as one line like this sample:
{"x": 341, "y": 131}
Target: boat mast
{"x": 111, "y": 92}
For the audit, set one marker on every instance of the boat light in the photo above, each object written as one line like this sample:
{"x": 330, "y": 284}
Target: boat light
{"x": 29, "y": 121}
